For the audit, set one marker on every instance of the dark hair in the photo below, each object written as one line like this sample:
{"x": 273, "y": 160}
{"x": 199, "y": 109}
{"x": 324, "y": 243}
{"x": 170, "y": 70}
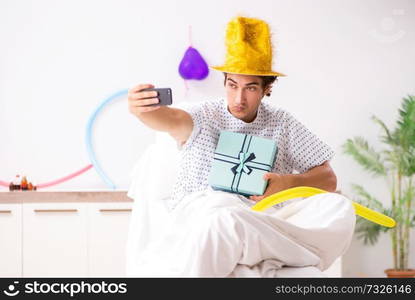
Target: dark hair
{"x": 266, "y": 81}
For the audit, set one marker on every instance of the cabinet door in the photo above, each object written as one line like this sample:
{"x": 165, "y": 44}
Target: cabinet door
{"x": 10, "y": 240}
{"x": 107, "y": 237}
{"x": 54, "y": 240}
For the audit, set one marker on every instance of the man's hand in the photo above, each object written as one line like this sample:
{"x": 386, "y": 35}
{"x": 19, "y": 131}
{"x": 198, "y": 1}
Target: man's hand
{"x": 177, "y": 122}
{"x": 276, "y": 183}
{"x": 138, "y": 100}
{"x": 321, "y": 177}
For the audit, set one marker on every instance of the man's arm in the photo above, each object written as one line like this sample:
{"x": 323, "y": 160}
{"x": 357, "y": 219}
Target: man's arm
{"x": 321, "y": 177}
{"x": 174, "y": 121}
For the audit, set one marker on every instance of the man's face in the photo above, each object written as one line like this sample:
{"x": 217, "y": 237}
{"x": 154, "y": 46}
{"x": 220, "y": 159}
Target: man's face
{"x": 244, "y": 94}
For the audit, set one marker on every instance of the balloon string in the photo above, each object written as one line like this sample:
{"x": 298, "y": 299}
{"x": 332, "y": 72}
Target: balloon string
{"x": 186, "y": 86}
{"x": 190, "y": 35}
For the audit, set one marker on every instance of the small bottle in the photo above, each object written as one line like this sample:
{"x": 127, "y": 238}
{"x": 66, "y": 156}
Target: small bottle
{"x": 34, "y": 186}
{"x": 16, "y": 183}
{"x": 30, "y": 186}
{"x": 23, "y": 184}
{"x": 11, "y": 186}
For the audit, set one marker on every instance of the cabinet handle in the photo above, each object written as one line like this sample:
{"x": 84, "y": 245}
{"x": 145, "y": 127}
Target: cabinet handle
{"x": 55, "y": 210}
{"x": 116, "y": 210}
{"x": 5, "y": 211}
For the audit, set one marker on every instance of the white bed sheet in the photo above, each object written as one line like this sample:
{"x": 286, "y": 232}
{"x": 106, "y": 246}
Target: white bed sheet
{"x": 150, "y": 187}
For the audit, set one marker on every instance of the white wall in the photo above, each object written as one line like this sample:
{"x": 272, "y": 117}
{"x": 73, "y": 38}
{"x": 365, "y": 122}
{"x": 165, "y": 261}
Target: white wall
{"x": 345, "y": 61}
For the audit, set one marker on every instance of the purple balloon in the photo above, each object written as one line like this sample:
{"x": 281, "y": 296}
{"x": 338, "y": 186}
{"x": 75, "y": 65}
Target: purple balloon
{"x": 193, "y": 66}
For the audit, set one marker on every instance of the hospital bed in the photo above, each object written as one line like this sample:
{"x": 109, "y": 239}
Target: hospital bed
{"x": 152, "y": 180}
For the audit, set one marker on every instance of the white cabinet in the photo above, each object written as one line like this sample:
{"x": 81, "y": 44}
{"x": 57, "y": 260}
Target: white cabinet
{"x": 64, "y": 234}
{"x": 10, "y": 240}
{"x": 107, "y": 238}
{"x": 55, "y": 239}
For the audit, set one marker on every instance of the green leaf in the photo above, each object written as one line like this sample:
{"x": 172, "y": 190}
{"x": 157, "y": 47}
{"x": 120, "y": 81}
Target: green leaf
{"x": 369, "y": 201}
{"x": 411, "y": 162}
{"x": 405, "y": 131}
{"x": 366, "y": 156}
{"x": 408, "y": 162}
{"x": 408, "y": 197}
{"x": 386, "y": 212}
{"x": 387, "y": 138}
{"x": 367, "y": 231}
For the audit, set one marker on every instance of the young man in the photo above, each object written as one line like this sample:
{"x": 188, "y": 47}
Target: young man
{"x": 212, "y": 232}
{"x": 299, "y": 149}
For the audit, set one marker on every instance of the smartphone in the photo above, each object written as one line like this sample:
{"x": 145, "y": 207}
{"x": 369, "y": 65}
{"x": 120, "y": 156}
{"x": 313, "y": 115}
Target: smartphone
{"x": 164, "y": 95}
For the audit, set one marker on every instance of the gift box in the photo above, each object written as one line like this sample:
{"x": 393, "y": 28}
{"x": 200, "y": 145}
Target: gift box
{"x": 240, "y": 162}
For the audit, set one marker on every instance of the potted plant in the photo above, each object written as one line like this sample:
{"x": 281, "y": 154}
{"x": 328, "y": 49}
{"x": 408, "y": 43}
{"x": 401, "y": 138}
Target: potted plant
{"x": 396, "y": 164}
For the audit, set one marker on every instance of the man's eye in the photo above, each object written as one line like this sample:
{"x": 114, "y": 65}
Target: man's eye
{"x": 232, "y": 86}
{"x": 252, "y": 89}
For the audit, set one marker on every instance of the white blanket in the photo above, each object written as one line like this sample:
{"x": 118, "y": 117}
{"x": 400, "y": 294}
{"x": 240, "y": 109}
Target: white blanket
{"x": 215, "y": 234}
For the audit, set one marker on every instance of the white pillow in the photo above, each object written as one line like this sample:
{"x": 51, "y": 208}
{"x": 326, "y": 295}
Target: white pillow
{"x": 160, "y": 164}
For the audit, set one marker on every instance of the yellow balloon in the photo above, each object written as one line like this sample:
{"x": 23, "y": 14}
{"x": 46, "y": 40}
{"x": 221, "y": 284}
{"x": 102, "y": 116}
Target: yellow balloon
{"x": 305, "y": 191}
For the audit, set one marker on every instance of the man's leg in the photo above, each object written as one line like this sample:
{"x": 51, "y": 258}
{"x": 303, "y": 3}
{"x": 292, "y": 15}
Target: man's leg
{"x": 214, "y": 232}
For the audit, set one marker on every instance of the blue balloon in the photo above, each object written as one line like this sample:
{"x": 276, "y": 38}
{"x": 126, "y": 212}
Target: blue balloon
{"x": 193, "y": 66}
{"x": 88, "y": 138}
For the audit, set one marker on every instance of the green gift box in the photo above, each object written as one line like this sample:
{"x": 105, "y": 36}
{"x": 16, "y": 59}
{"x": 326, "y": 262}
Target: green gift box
{"x": 240, "y": 162}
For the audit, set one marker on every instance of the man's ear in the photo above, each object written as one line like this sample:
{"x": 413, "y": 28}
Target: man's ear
{"x": 268, "y": 90}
